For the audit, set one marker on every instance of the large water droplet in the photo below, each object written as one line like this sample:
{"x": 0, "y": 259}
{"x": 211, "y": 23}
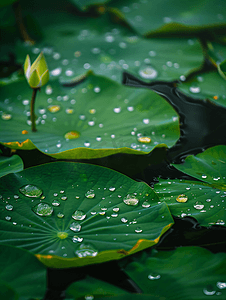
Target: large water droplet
{"x": 144, "y": 139}
{"x": 209, "y": 291}
{"x": 9, "y": 207}
{"x": 124, "y": 220}
{"x": 112, "y": 188}
{"x": 54, "y": 108}
{"x": 131, "y": 200}
{"x": 31, "y": 191}
{"x": 154, "y": 276}
{"x": 90, "y": 194}
{"x": 198, "y": 205}
{"x": 86, "y": 250}
{"x": 79, "y": 215}
{"x": 75, "y": 226}
{"x": 182, "y": 198}
{"x": 56, "y": 203}
{"x": 146, "y": 204}
{"x": 148, "y": 73}
{"x": 77, "y": 239}
{"x": 43, "y": 209}
{"x": 138, "y": 230}
{"x": 6, "y": 117}
{"x": 221, "y": 285}
{"x": 72, "y": 135}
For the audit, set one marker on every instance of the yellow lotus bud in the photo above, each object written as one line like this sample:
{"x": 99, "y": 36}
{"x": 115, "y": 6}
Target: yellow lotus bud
{"x": 37, "y": 74}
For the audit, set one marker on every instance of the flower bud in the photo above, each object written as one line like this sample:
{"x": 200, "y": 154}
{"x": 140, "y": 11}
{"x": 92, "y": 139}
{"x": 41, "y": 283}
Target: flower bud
{"x": 37, "y": 74}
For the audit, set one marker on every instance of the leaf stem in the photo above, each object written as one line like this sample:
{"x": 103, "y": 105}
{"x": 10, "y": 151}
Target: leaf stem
{"x": 33, "y": 124}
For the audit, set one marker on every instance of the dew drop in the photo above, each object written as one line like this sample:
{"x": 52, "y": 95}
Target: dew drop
{"x": 112, "y": 189}
{"x": 60, "y": 215}
{"x": 148, "y": 73}
{"x": 77, "y": 239}
{"x": 194, "y": 89}
{"x": 64, "y": 198}
{"x": 8, "y": 218}
{"x": 71, "y": 135}
{"x": 86, "y": 144}
{"x": 153, "y": 276}
{"x": 43, "y": 209}
{"x": 95, "y": 50}
{"x": 221, "y": 285}
{"x": 117, "y": 110}
{"x": 96, "y": 89}
{"x": 146, "y": 204}
{"x": 146, "y": 121}
{"x": 31, "y": 191}
{"x": 9, "y": 207}
{"x": 53, "y": 108}
{"x": 56, "y": 72}
{"x": 79, "y": 215}
{"x": 69, "y": 111}
{"x": 124, "y": 220}
{"x": 182, "y": 198}
{"x": 62, "y": 235}
{"x": 209, "y": 291}
{"x": 198, "y": 205}
{"x": 6, "y": 117}
{"x": 138, "y": 230}
{"x": 130, "y": 200}
{"x": 90, "y": 194}
{"x": 109, "y": 38}
{"x": 114, "y": 215}
{"x": 55, "y": 203}
{"x": 92, "y": 111}
{"x": 48, "y": 90}
{"x": 86, "y": 250}
{"x": 144, "y": 139}
{"x": 75, "y": 226}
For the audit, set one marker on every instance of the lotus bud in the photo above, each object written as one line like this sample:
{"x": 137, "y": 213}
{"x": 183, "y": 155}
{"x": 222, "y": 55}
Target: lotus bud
{"x": 37, "y": 74}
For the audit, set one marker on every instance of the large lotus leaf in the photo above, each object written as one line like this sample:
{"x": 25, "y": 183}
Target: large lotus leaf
{"x": 92, "y": 286}
{"x": 206, "y": 86}
{"x": 23, "y": 272}
{"x": 186, "y": 273}
{"x": 73, "y": 214}
{"x": 164, "y": 17}
{"x": 10, "y": 164}
{"x": 216, "y": 52}
{"x": 98, "y": 118}
{"x": 208, "y": 166}
{"x": 76, "y": 44}
{"x": 193, "y": 198}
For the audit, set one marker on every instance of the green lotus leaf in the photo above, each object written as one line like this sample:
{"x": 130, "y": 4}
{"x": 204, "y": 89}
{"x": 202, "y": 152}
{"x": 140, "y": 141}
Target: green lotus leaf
{"x": 73, "y": 214}
{"x": 209, "y": 86}
{"x": 99, "y": 118}
{"x": 7, "y": 292}
{"x": 151, "y": 18}
{"x": 10, "y": 164}
{"x": 23, "y": 272}
{"x": 107, "y": 49}
{"x": 92, "y": 286}
{"x": 215, "y": 52}
{"x": 193, "y": 198}
{"x": 208, "y": 166}
{"x": 186, "y": 273}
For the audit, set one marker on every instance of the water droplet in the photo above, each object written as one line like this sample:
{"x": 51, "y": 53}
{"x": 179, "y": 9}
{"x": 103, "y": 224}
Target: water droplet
{"x": 96, "y": 89}
{"x": 95, "y": 50}
{"x": 86, "y": 144}
{"x": 92, "y": 111}
{"x": 146, "y": 121}
{"x": 116, "y": 209}
{"x": 221, "y": 285}
{"x": 62, "y": 235}
{"x": 182, "y": 198}
{"x": 86, "y": 66}
{"x": 77, "y": 239}
{"x": 124, "y": 220}
{"x": 6, "y": 117}
{"x": 72, "y": 135}
{"x": 112, "y": 188}
{"x": 198, "y": 205}
{"x": 31, "y": 191}
{"x": 56, "y": 71}
{"x": 55, "y": 203}
{"x": 9, "y": 207}
{"x": 109, "y": 38}
{"x": 204, "y": 176}
{"x": 53, "y": 108}
{"x": 148, "y": 73}
{"x": 194, "y": 89}
{"x": 117, "y": 110}
{"x": 48, "y": 90}
{"x": 69, "y": 72}
{"x": 90, "y": 194}
{"x": 209, "y": 291}
{"x": 64, "y": 198}
{"x": 138, "y": 230}
{"x": 60, "y": 215}
{"x": 75, "y": 226}
{"x": 43, "y": 209}
{"x": 86, "y": 250}
{"x": 8, "y": 218}
{"x": 146, "y": 204}
{"x": 69, "y": 111}
{"x": 144, "y": 139}
{"x": 153, "y": 276}
{"x": 79, "y": 215}
{"x": 114, "y": 215}
{"x": 130, "y": 200}
{"x": 89, "y": 297}
{"x": 91, "y": 123}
